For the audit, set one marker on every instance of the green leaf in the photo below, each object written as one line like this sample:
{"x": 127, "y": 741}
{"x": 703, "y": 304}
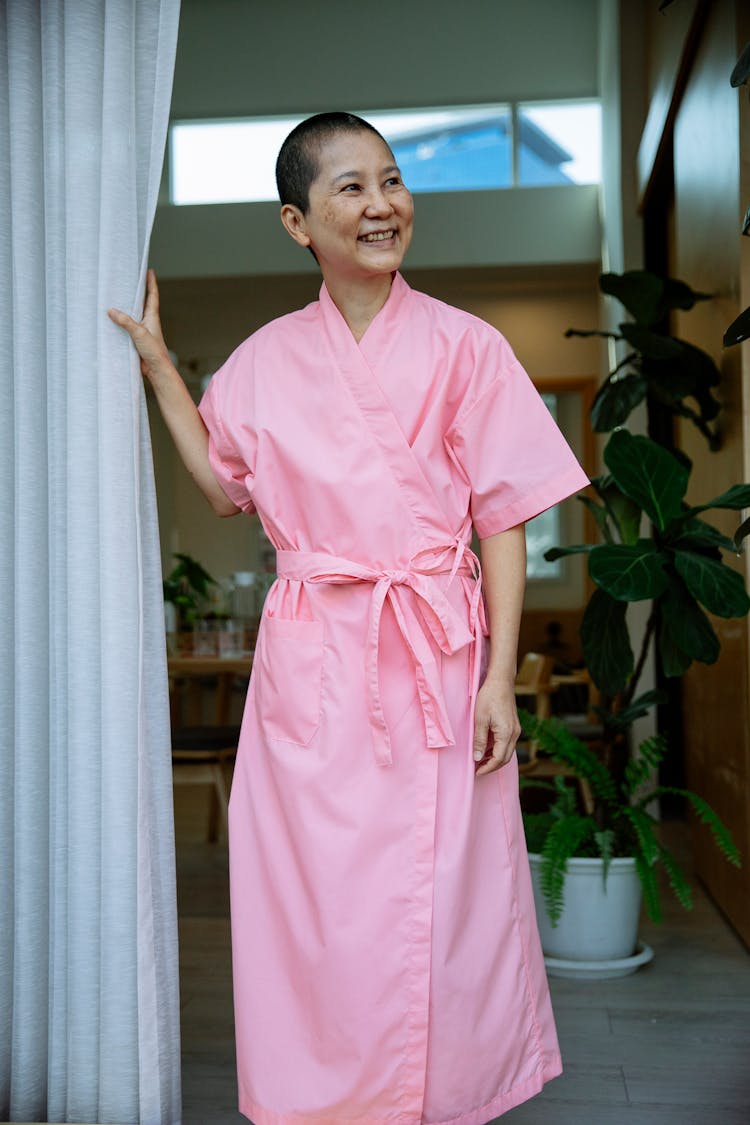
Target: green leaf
{"x": 709, "y": 817}
{"x": 698, "y": 535}
{"x": 677, "y": 878}
{"x": 734, "y": 499}
{"x": 605, "y": 841}
{"x": 678, "y": 295}
{"x": 621, "y": 720}
{"x": 741, "y": 532}
{"x": 643, "y": 763}
{"x": 653, "y": 345}
{"x": 563, "y": 839}
{"x": 554, "y": 553}
{"x": 738, "y": 330}
{"x": 624, "y": 512}
{"x": 585, "y": 332}
{"x": 615, "y": 401}
{"x": 685, "y": 627}
{"x": 717, "y": 587}
{"x": 674, "y": 662}
{"x": 638, "y": 290}
{"x": 606, "y": 642}
{"x": 741, "y": 72}
{"x": 600, "y": 514}
{"x": 557, "y": 741}
{"x": 630, "y": 574}
{"x": 648, "y": 474}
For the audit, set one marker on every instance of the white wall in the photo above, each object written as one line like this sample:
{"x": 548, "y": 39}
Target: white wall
{"x": 239, "y": 57}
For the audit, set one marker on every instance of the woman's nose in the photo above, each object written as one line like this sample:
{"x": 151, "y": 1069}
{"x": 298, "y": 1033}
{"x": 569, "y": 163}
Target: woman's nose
{"x": 378, "y": 203}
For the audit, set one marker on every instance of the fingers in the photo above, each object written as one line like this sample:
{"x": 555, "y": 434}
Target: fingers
{"x": 152, "y": 294}
{"x": 496, "y": 745}
{"x": 122, "y": 319}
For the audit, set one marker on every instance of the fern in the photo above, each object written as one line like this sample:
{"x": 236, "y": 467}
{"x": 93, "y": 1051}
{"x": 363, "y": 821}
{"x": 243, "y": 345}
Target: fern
{"x": 650, "y": 753}
{"x": 677, "y": 878}
{"x": 643, "y": 825}
{"x": 707, "y": 816}
{"x": 650, "y": 888}
{"x": 562, "y": 840}
{"x": 556, "y": 740}
{"x": 605, "y": 842}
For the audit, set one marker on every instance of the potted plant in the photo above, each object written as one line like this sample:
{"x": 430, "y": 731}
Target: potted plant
{"x": 591, "y": 871}
{"x": 187, "y": 588}
{"x": 657, "y": 548}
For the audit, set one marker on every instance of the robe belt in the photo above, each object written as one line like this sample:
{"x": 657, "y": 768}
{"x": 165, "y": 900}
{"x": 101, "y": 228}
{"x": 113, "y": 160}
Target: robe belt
{"x": 428, "y": 614}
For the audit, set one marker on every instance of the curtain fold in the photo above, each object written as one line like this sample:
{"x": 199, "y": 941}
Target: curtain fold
{"x": 89, "y": 1011}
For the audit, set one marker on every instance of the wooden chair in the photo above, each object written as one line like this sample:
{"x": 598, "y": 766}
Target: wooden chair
{"x": 535, "y": 681}
{"x": 203, "y": 753}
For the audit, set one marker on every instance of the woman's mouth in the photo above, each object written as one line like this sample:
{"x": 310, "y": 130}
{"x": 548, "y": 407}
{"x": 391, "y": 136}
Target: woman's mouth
{"x": 378, "y": 236}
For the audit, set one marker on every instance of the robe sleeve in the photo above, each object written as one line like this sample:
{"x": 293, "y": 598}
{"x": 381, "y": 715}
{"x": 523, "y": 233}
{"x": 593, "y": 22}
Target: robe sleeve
{"x": 509, "y": 447}
{"x": 231, "y": 445}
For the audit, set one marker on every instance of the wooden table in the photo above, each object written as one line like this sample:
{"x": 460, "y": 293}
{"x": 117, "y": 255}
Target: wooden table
{"x": 223, "y": 669}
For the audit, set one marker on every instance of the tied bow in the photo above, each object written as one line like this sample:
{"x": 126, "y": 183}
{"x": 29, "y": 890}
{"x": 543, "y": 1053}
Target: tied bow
{"x": 428, "y": 614}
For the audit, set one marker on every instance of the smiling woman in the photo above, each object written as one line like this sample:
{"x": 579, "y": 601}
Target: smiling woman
{"x": 375, "y": 798}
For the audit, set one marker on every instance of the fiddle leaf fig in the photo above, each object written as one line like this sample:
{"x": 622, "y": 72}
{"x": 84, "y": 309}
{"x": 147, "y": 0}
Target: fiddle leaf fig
{"x": 738, "y": 330}
{"x": 686, "y": 633}
{"x": 734, "y": 499}
{"x": 741, "y": 532}
{"x": 600, "y": 514}
{"x": 697, "y": 535}
{"x": 615, "y": 400}
{"x": 717, "y": 587}
{"x": 648, "y": 474}
{"x": 606, "y": 643}
{"x": 629, "y": 573}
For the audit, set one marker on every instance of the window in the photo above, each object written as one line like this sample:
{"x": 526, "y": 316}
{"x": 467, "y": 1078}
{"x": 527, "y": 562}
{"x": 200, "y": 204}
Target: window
{"x": 450, "y": 149}
{"x": 544, "y": 530}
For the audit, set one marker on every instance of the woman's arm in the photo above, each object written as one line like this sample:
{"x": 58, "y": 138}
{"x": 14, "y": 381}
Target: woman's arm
{"x": 496, "y": 726}
{"x": 177, "y": 407}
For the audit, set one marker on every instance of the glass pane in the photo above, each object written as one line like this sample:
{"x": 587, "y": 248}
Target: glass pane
{"x": 453, "y": 151}
{"x": 436, "y": 149}
{"x": 543, "y": 531}
{"x": 559, "y": 143}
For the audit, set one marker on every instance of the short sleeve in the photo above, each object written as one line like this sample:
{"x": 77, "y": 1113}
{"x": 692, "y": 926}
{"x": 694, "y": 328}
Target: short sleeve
{"x": 508, "y": 445}
{"x": 227, "y": 413}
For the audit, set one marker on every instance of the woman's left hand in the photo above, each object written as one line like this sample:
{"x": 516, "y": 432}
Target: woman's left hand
{"x": 496, "y": 725}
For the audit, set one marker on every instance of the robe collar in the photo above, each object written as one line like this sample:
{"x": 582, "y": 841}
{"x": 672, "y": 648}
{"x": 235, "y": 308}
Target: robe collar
{"x": 382, "y": 325}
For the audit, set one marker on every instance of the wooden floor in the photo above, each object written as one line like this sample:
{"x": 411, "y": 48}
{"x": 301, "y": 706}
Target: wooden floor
{"x": 669, "y": 1045}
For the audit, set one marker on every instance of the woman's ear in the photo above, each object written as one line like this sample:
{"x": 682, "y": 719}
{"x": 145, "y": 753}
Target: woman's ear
{"x": 294, "y": 223}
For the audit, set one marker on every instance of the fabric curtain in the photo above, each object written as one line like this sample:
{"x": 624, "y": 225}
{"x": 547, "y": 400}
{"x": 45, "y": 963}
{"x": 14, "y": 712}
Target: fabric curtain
{"x": 89, "y": 1013}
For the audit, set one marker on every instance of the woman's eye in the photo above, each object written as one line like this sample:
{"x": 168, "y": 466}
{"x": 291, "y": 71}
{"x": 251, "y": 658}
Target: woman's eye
{"x": 393, "y": 181}
{"x": 350, "y": 187}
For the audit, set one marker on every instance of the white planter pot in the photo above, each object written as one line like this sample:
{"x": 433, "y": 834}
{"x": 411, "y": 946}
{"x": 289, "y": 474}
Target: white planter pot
{"x": 598, "y": 925}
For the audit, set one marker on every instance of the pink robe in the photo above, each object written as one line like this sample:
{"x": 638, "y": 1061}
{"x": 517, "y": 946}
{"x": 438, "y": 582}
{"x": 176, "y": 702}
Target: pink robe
{"x": 387, "y": 966}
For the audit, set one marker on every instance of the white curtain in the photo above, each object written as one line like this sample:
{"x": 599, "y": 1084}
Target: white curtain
{"x": 89, "y": 1014}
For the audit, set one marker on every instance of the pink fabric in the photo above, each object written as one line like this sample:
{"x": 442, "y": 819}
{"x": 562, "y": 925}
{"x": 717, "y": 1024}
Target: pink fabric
{"x": 387, "y": 966}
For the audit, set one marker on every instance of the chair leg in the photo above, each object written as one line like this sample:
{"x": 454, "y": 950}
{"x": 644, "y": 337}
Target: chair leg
{"x": 218, "y": 822}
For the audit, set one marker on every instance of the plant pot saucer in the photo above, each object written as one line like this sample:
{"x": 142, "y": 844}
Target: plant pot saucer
{"x": 599, "y": 970}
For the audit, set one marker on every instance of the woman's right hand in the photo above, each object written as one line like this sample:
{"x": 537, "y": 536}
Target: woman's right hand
{"x": 146, "y": 334}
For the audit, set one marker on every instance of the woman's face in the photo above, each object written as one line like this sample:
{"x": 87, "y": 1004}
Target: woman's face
{"x": 360, "y": 218}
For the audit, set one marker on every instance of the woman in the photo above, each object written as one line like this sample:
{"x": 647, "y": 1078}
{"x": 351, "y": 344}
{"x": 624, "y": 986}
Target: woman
{"x": 386, "y": 961}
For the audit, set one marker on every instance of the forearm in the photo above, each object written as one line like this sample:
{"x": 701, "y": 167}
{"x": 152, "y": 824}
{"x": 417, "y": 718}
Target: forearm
{"x": 190, "y": 435}
{"x": 504, "y": 582}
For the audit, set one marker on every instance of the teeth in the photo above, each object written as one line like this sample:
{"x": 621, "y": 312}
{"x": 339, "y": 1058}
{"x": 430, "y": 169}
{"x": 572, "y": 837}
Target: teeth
{"x": 378, "y": 236}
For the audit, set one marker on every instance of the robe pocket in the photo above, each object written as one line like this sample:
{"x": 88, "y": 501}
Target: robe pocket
{"x": 289, "y": 683}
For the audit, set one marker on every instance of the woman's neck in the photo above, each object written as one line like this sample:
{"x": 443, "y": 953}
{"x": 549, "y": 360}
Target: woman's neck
{"x": 359, "y": 301}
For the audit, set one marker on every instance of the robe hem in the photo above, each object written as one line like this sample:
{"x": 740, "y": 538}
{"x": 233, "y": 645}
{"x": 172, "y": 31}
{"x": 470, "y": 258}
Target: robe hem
{"x": 504, "y": 1102}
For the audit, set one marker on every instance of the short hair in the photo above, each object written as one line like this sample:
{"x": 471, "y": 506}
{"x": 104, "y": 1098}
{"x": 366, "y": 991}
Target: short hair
{"x": 297, "y": 162}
